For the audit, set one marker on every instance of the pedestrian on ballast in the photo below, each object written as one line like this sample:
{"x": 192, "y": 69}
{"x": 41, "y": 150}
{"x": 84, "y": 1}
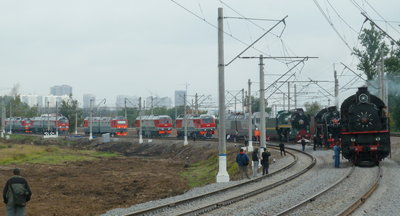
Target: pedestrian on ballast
{"x": 255, "y": 159}
{"x": 315, "y": 143}
{"x": 265, "y": 161}
{"x": 16, "y": 194}
{"x": 336, "y": 150}
{"x": 282, "y": 148}
{"x": 243, "y": 161}
{"x": 303, "y": 143}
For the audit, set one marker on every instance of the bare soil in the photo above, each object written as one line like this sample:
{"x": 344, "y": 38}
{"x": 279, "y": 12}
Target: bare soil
{"x": 145, "y": 172}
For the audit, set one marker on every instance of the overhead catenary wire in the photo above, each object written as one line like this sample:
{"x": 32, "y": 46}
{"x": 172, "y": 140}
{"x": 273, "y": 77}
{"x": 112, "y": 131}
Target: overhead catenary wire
{"x": 381, "y": 16}
{"x": 332, "y": 25}
{"x": 216, "y": 27}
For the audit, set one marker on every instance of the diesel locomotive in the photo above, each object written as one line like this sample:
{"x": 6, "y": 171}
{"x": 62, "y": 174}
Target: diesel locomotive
{"x": 365, "y": 135}
{"x": 116, "y": 126}
{"x": 201, "y": 126}
{"x": 154, "y": 125}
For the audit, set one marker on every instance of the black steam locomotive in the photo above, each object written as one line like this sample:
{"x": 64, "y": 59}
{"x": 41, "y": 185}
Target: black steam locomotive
{"x": 327, "y": 127}
{"x": 365, "y": 128}
{"x": 293, "y": 124}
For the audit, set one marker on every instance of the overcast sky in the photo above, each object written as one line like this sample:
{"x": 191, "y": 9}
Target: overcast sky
{"x": 152, "y": 48}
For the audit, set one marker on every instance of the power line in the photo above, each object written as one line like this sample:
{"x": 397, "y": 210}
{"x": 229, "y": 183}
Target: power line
{"x": 381, "y": 16}
{"x": 216, "y": 27}
{"x": 333, "y": 26}
{"x": 340, "y": 17}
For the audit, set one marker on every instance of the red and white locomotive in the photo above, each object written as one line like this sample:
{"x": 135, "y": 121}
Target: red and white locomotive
{"x": 154, "y": 125}
{"x": 197, "y": 125}
{"x": 116, "y": 126}
{"x": 18, "y": 125}
{"x": 39, "y": 124}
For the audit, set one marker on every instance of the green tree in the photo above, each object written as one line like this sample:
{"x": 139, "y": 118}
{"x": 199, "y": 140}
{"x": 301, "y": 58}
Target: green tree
{"x": 18, "y": 108}
{"x": 374, "y": 48}
{"x": 255, "y": 105}
{"x": 312, "y": 108}
{"x": 69, "y": 109}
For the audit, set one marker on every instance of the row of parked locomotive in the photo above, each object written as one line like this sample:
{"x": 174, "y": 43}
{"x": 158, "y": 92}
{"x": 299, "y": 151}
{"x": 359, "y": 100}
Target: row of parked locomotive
{"x": 287, "y": 125}
{"x": 201, "y": 126}
{"x": 46, "y": 123}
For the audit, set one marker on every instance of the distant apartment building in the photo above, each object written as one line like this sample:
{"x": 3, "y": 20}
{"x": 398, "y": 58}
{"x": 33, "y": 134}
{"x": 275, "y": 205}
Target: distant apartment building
{"x": 61, "y": 90}
{"x": 180, "y": 97}
{"x": 131, "y": 101}
{"x": 158, "y": 102}
{"x": 86, "y": 100}
{"x": 32, "y": 100}
{"x": 53, "y": 101}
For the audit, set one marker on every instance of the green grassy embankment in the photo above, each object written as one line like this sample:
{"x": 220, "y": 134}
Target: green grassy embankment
{"x": 20, "y": 154}
{"x": 204, "y": 172}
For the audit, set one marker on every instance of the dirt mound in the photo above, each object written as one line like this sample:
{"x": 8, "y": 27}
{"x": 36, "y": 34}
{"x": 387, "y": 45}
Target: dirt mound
{"x": 144, "y": 172}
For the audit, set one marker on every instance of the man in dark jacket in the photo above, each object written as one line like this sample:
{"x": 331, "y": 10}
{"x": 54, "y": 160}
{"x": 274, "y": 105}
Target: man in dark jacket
{"x": 303, "y": 143}
{"x": 265, "y": 161}
{"x": 16, "y": 193}
{"x": 282, "y": 148}
{"x": 243, "y": 161}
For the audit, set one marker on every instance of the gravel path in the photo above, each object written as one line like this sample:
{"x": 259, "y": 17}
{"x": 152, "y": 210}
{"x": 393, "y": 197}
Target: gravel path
{"x": 385, "y": 200}
{"x": 274, "y": 201}
{"x": 279, "y": 164}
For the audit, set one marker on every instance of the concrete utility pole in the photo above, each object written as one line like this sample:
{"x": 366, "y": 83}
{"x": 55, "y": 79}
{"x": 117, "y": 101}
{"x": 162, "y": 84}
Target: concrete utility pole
{"x": 196, "y": 104}
{"x": 222, "y": 175}
{"x": 284, "y": 98}
{"x": 56, "y": 123}
{"x": 3, "y": 118}
{"x": 151, "y": 111}
{"x": 243, "y": 103}
{"x": 185, "y": 141}
{"x": 76, "y": 119}
{"x": 91, "y": 119}
{"x": 126, "y": 114}
{"x": 262, "y": 105}
{"x": 336, "y": 87}
{"x": 295, "y": 96}
{"x": 11, "y": 121}
{"x": 250, "y": 141}
{"x": 140, "y": 121}
{"x": 48, "y": 116}
{"x": 381, "y": 82}
{"x": 288, "y": 95}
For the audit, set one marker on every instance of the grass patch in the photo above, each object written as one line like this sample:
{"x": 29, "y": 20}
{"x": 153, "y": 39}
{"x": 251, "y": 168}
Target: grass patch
{"x": 19, "y": 138}
{"x": 205, "y": 171}
{"x": 20, "y": 154}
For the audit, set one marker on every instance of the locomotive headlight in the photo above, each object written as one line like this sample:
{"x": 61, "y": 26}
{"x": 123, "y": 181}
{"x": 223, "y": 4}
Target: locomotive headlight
{"x": 378, "y": 139}
{"x": 353, "y": 139}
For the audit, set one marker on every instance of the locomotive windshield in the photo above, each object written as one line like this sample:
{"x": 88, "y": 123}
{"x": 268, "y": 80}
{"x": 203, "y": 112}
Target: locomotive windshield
{"x": 165, "y": 121}
{"x": 207, "y": 120}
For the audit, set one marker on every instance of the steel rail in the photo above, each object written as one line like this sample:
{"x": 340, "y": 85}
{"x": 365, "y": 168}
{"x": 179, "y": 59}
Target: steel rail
{"x": 350, "y": 209}
{"x": 202, "y": 196}
{"x": 252, "y": 193}
{"x": 312, "y": 198}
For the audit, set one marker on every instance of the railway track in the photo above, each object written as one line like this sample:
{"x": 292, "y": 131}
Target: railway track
{"x": 351, "y": 208}
{"x": 303, "y": 208}
{"x": 200, "y": 204}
